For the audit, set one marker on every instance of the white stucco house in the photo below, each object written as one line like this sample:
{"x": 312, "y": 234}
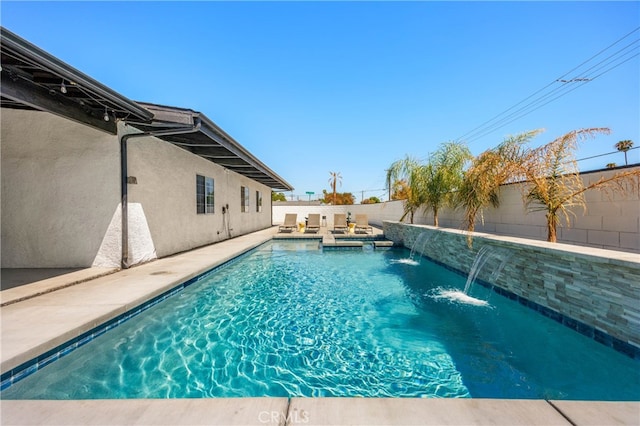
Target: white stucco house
{"x": 85, "y": 169}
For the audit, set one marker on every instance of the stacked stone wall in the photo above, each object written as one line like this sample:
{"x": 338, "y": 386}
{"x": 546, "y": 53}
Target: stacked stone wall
{"x": 585, "y": 286}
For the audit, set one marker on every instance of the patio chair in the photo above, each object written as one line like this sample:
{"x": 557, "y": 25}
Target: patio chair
{"x": 289, "y": 223}
{"x": 340, "y": 222}
{"x": 313, "y": 223}
{"x": 362, "y": 223}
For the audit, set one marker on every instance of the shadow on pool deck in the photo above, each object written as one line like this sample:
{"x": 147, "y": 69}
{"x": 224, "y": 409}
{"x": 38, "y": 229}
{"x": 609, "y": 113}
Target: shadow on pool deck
{"x": 45, "y": 316}
{"x": 14, "y": 277}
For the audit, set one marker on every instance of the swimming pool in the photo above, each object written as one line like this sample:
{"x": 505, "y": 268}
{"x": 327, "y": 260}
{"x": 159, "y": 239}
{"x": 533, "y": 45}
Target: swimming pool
{"x": 291, "y": 320}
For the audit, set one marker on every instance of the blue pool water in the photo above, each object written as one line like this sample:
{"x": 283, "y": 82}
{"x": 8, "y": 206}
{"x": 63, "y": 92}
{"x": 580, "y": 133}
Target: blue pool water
{"x": 291, "y": 320}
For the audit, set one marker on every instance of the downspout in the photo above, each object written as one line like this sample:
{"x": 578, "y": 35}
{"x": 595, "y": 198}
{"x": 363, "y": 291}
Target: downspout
{"x": 124, "y": 260}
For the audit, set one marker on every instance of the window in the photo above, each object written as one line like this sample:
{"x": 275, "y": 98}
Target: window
{"x": 244, "y": 199}
{"x": 258, "y": 201}
{"x": 204, "y": 195}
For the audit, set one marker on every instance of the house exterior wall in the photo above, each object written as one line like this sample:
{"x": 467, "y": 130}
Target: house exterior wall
{"x": 60, "y": 188}
{"x": 608, "y": 222}
{"x": 166, "y": 188}
{"x": 61, "y": 196}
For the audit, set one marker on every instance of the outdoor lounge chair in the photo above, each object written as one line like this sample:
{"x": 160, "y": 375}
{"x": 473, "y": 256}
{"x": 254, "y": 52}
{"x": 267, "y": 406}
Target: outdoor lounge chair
{"x": 362, "y": 223}
{"x": 340, "y": 222}
{"x": 289, "y": 223}
{"x": 313, "y": 223}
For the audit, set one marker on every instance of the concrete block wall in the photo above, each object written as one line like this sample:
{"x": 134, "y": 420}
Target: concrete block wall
{"x": 609, "y": 222}
{"x": 376, "y": 212}
{"x": 599, "y": 288}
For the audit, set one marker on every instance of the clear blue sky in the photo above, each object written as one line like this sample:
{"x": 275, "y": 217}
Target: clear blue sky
{"x": 316, "y": 87}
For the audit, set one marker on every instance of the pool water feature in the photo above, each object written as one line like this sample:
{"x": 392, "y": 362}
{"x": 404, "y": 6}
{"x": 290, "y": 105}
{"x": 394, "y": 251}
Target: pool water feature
{"x": 480, "y": 260}
{"x": 291, "y": 320}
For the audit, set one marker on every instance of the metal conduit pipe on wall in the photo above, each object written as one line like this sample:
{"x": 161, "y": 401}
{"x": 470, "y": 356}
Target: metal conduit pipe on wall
{"x": 124, "y": 261}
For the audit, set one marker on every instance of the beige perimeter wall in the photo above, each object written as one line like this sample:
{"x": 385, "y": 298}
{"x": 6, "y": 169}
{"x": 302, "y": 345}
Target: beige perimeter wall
{"x": 611, "y": 223}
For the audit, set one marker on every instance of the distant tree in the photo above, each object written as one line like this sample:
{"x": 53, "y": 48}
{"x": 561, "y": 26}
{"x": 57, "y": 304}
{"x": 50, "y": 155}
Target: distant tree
{"x": 611, "y": 165}
{"x": 553, "y": 182}
{"x": 371, "y": 200}
{"x": 400, "y": 190}
{"x": 488, "y": 171}
{"x": 345, "y": 198}
{"x": 624, "y": 146}
{"x": 335, "y": 179}
{"x": 278, "y": 196}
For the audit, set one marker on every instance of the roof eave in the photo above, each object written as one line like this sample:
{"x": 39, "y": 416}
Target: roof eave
{"x": 172, "y": 116}
{"x": 37, "y": 56}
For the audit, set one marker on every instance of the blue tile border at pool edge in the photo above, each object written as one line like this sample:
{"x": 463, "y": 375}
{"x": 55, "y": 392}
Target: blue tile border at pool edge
{"x": 576, "y": 325}
{"x": 29, "y": 367}
{"x": 18, "y": 373}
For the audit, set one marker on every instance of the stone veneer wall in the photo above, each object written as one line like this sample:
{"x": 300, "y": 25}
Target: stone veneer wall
{"x": 599, "y": 288}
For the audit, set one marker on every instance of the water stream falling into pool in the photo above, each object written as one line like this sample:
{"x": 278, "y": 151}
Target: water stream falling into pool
{"x": 484, "y": 254}
{"x": 423, "y": 241}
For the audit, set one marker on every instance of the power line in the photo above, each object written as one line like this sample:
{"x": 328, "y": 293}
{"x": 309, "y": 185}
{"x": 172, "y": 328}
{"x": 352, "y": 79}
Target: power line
{"x": 567, "y": 85}
{"x": 603, "y": 155}
{"x": 566, "y": 88}
{"x": 530, "y": 107}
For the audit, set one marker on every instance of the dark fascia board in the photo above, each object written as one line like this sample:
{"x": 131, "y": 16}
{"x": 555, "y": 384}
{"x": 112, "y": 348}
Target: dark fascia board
{"x": 166, "y": 114}
{"x": 169, "y": 116}
{"x": 220, "y": 136}
{"x": 39, "y": 99}
{"x": 11, "y": 42}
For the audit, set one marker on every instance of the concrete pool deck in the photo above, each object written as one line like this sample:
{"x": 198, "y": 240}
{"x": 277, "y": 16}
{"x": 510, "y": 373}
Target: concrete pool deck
{"x": 40, "y": 316}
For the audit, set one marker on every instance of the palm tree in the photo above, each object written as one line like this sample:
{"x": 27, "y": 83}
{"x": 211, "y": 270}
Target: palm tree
{"x": 444, "y": 176}
{"x": 488, "y": 171}
{"x": 624, "y": 146}
{"x": 554, "y": 184}
{"x": 408, "y": 171}
{"x": 335, "y": 179}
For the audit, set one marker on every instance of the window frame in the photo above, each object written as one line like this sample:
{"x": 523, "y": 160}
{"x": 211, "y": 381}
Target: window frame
{"x": 244, "y": 199}
{"x": 258, "y": 201}
{"x": 205, "y": 195}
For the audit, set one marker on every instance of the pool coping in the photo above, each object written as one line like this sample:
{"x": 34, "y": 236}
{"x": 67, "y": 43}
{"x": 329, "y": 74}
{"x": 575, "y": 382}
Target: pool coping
{"x": 33, "y": 326}
{"x": 318, "y": 411}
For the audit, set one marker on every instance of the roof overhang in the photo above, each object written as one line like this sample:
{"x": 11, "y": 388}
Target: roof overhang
{"x": 209, "y": 142}
{"x": 34, "y": 79}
